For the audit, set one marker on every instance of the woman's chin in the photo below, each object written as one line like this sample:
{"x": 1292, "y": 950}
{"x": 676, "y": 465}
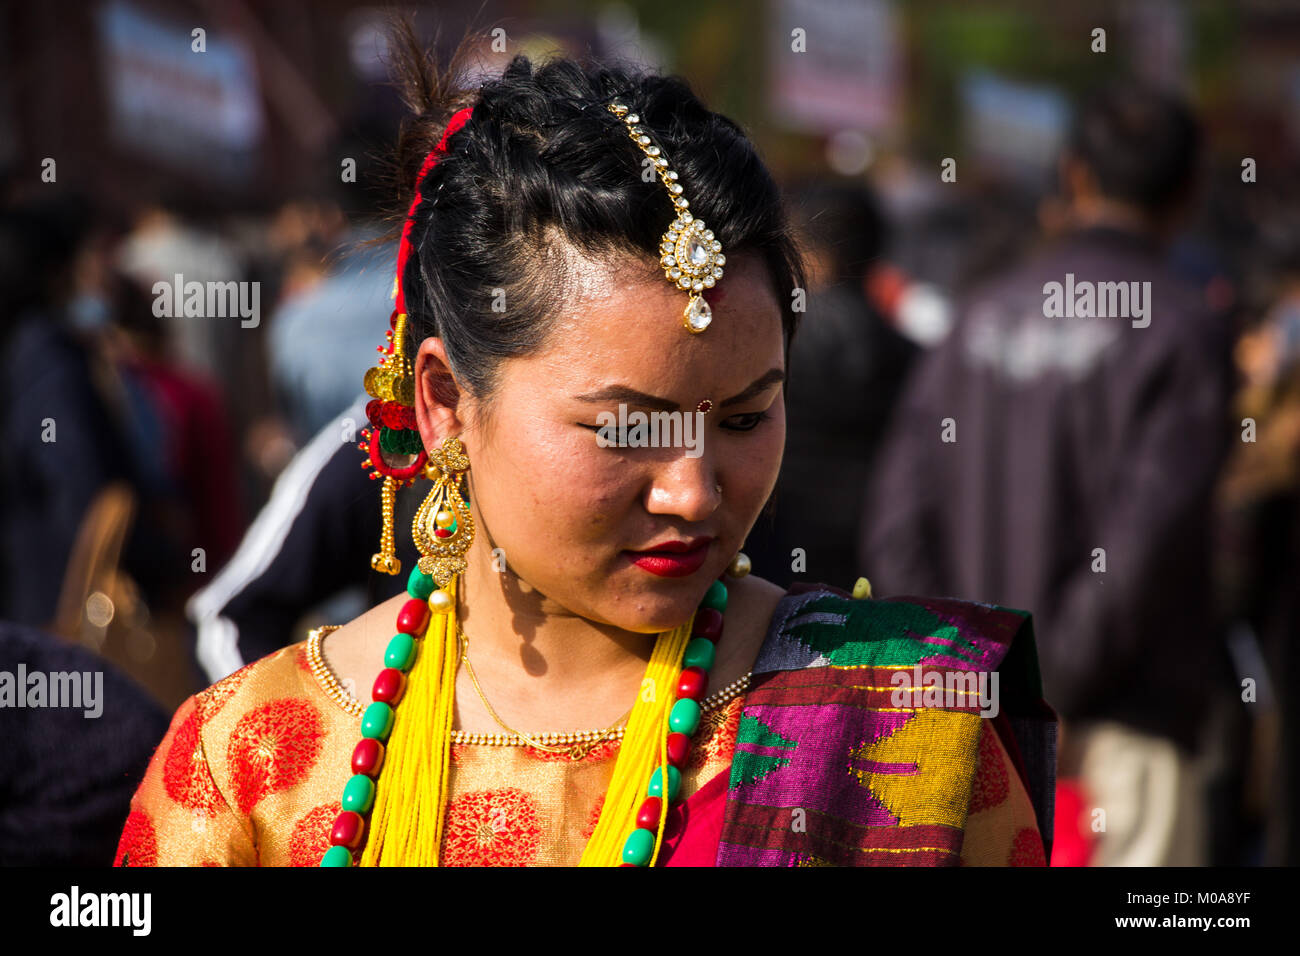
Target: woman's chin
{"x": 655, "y": 613}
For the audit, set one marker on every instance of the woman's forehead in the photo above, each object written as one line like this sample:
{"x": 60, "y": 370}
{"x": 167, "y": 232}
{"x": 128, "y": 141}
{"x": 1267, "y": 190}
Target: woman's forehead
{"x": 633, "y": 333}
{"x": 627, "y": 299}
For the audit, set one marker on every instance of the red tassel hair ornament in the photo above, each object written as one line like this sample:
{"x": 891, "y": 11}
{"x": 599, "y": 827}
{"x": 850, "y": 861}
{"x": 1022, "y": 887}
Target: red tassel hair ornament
{"x": 392, "y": 444}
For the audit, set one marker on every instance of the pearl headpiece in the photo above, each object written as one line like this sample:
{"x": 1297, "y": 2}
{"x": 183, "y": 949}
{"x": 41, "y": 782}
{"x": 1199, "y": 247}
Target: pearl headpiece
{"x": 692, "y": 258}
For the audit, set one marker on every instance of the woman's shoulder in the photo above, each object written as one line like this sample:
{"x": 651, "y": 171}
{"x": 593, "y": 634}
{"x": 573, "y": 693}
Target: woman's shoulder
{"x": 826, "y": 695}
{"x": 293, "y": 677}
{"x": 263, "y": 675}
{"x": 818, "y": 624}
{"x": 353, "y": 653}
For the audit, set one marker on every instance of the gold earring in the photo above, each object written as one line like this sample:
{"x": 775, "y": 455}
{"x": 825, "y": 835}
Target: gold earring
{"x": 740, "y": 565}
{"x": 444, "y": 527}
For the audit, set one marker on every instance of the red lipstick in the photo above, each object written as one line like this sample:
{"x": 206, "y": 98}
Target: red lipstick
{"x": 672, "y": 559}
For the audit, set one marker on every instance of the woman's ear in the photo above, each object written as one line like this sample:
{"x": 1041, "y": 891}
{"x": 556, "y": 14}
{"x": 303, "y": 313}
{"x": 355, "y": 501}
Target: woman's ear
{"x": 437, "y": 396}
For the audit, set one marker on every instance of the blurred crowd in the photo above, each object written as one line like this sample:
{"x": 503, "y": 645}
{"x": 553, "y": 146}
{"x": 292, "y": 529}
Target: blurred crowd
{"x": 179, "y": 496}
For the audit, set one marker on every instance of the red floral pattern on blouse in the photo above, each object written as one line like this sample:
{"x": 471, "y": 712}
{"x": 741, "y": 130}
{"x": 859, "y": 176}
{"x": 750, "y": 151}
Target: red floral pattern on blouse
{"x": 498, "y": 827}
{"x": 272, "y": 748}
{"x": 990, "y": 786}
{"x": 139, "y": 844}
{"x": 311, "y": 835}
{"x": 1027, "y": 849}
{"x": 721, "y": 742}
{"x": 186, "y": 776}
{"x": 210, "y": 701}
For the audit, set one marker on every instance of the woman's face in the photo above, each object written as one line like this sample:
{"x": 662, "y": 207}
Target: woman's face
{"x": 570, "y": 513}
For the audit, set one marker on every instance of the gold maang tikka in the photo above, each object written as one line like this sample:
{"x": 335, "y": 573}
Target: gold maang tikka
{"x": 692, "y": 258}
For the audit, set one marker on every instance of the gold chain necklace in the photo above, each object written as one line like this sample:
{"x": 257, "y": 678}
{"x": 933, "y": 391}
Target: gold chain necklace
{"x": 577, "y": 751}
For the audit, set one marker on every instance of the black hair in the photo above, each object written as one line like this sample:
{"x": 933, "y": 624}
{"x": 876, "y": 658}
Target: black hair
{"x": 1142, "y": 144}
{"x": 541, "y": 159}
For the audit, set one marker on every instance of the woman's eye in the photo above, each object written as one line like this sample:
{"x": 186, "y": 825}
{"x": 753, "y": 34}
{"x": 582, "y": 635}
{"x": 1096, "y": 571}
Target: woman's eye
{"x": 613, "y": 435}
{"x": 744, "y": 423}
{"x": 736, "y": 423}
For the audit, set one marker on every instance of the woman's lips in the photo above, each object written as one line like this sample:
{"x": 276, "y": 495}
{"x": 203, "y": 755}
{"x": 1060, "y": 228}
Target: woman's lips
{"x": 671, "y": 564}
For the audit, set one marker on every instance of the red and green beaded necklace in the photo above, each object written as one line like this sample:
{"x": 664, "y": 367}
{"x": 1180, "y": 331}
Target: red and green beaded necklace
{"x": 349, "y": 828}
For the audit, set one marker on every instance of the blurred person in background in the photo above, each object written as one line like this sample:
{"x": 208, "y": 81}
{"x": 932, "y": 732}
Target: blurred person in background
{"x": 1258, "y": 509}
{"x": 162, "y": 243}
{"x": 182, "y": 439}
{"x": 1066, "y": 464}
{"x": 335, "y": 292}
{"x": 63, "y": 438}
{"x": 844, "y": 379}
{"x": 298, "y": 560}
{"x": 177, "y": 236}
{"x": 305, "y": 556}
{"x": 67, "y": 773}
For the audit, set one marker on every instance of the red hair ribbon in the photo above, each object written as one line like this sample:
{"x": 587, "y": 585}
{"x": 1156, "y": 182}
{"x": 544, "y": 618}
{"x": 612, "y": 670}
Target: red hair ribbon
{"x": 458, "y": 120}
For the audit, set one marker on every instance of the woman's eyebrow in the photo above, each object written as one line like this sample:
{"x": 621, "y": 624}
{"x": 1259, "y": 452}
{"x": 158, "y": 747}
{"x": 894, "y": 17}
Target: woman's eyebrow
{"x": 630, "y": 396}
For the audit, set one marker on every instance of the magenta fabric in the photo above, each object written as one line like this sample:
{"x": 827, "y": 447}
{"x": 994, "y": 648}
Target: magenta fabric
{"x": 692, "y": 833}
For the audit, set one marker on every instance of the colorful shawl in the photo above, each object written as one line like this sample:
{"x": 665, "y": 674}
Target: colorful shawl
{"x": 828, "y": 770}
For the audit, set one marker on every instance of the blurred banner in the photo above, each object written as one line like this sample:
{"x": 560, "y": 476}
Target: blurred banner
{"x": 1016, "y": 128}
{"x": 847, "y": 77}
{"x": 174, "y": 105}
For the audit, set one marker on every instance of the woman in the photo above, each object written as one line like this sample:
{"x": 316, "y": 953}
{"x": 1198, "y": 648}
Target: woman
{"x": 595, "y": 572}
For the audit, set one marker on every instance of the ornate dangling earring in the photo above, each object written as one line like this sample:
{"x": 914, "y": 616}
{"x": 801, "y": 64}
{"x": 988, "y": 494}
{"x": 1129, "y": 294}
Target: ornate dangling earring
{"x": 444, "y": 527}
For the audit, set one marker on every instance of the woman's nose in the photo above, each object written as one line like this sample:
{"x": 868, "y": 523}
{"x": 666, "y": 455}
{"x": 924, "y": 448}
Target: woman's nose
{"x": 686, "y": 487}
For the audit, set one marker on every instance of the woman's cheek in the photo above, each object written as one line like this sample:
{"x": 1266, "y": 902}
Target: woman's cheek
{"x": 755, "y": 468}
{"x": 589, "y": 486}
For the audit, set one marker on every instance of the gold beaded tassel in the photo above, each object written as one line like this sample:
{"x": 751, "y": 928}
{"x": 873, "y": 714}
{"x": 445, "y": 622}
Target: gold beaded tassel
{"x": 386, "y": 559}
{"x": 399, "y": 457}
{"x": 410, "y": 808}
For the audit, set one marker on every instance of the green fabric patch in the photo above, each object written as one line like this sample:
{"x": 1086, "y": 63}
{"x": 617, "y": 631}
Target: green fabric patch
{"x": 878, "y": 633}
{"x": 748, "y": 767}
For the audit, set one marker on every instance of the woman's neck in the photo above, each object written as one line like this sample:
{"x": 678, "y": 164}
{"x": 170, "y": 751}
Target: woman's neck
{"x": 542, "y": 667}
{"x": 534, "y": 652}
